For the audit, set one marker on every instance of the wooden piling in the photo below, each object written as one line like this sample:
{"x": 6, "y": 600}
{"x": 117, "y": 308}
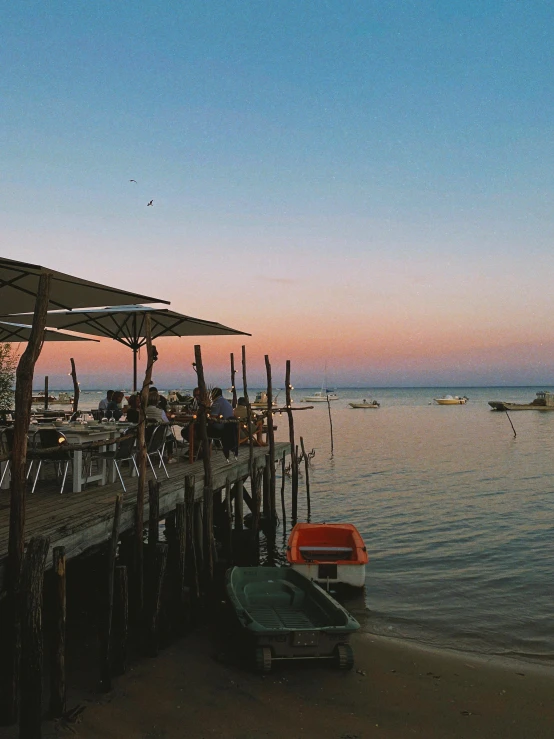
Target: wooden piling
{"x": 208, "y": 486}
{"x": 191, "y": 560}
{"x": 76, "y": 390}
{"x": 271, "y": 444}
{"x": 248, "y": 418}
{"x": 138, "y": 564}
{"x": 120, "y": 621}
{"x": 180, "y": 588}
{"x": 32, "y": 579}
{"x": 153, "y": 513}
{"x": 10, "y": 638}
{"x": 57, "y": 639}
{"x": 233, "y": 383}
{"x": 294, "y": 458}
{"x": 307, "y": 476}
{"x": 283, "y": 507}
{"x": 266, "y": 490}
{"x": 153, "y": 598}
{"x": 239, "y": 505}
{"x": 228, "y": 522}
{"x": 46, "y": 393}
{"x": 107, "y": 615}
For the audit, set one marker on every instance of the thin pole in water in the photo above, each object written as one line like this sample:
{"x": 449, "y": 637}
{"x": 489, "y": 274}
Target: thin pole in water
{"x": 511, "y": 424}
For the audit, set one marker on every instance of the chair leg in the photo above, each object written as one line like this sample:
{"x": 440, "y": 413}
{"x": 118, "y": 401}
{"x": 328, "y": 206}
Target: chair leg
{"x": 135, "y": 463}
{"x": 151, "y": 466}
{"x": 65, "y": 475}
{"x": 4, "y": 472}
{"x": 120, "y": 477}
{"x": 162, "y": 464}
{"x": 31, "y": 463}
{"x": 36, "y": 476}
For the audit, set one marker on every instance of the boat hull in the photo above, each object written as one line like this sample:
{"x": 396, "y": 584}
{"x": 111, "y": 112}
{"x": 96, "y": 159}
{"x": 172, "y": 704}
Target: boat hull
{"x": 279, "y": 609}
{"x": 450, "y": 401}
{"x": 364, "y": 405}
{"x": 498, "y": 405}
{"x": 351, "y": 574}
{"x": 328, "y": 553}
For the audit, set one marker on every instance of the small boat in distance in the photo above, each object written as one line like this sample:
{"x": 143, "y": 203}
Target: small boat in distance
{"x": 365, "y": 404}
{"x": 543, "y": 402}
{"x": 320, "y": 396}
{"x": 452, "y": 400}
{"x": 260, "y": 401}
{"x": 328, "y": 553}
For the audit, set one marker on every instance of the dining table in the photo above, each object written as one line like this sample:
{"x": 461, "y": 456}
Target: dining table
{"x": 81, "y": 434}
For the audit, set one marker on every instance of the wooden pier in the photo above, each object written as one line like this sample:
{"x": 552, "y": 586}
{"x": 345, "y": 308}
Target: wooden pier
{"x": 82, "y": 522}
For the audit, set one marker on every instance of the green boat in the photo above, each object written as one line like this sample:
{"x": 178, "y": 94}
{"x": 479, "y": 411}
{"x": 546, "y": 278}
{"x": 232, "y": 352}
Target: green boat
{"x": 284, "y": 615}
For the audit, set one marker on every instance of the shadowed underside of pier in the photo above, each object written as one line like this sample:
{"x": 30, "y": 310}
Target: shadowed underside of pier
{"x": 82, "y": 521}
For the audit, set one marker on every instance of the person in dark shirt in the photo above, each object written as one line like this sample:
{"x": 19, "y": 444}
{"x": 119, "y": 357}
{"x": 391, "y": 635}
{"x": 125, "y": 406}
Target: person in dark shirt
{"x": 133, "y": 409}
{"x": 113, "y": 410}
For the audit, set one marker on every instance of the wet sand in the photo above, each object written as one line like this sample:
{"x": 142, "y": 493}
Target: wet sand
{"x": 196, "y": 689}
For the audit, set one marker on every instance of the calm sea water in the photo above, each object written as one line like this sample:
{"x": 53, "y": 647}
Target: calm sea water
{"x": 457, "y": 513}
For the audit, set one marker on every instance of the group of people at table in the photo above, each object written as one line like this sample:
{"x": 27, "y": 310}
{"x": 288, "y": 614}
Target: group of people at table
{"x": 159, "y": 411}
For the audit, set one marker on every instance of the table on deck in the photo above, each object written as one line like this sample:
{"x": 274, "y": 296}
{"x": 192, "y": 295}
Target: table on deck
{"x": 75, "y": 435}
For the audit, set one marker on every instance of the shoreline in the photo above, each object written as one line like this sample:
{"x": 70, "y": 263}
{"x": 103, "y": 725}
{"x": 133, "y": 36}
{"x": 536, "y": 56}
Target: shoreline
{"x": 201, "y": 686}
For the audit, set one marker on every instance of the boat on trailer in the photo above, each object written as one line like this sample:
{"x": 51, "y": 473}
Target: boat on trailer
{"x": 328, "y": 553}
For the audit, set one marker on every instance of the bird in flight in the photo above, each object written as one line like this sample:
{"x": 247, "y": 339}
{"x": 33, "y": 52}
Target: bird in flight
{"x": 150, "y": 203}
{"x": 133, "y": 181}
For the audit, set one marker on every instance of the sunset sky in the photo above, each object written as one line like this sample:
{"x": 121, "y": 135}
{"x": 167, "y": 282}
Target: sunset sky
{"x": 363, "y": 184}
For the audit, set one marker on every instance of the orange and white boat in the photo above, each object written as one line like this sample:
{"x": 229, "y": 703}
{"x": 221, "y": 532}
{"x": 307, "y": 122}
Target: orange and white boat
{"x": 328, "y": 553}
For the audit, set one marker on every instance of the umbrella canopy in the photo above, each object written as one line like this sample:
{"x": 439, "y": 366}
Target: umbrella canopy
{"x": 125, "y": 324}
{"x": 15, "y": 332}
{"x": 19, "y": 286}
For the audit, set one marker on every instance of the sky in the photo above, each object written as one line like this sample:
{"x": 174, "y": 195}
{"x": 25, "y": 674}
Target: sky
{"x": 363, "y": 186}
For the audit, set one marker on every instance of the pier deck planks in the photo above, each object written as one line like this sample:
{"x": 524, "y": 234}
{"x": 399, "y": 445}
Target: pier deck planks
{"x": 81, "y": 521}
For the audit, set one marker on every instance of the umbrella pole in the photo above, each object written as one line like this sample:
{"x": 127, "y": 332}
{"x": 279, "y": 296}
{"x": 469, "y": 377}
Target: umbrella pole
{"x": 135, "y": 350}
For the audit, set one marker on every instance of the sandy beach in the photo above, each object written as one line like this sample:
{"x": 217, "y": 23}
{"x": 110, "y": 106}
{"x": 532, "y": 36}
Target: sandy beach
{"x": 199, "y": 688}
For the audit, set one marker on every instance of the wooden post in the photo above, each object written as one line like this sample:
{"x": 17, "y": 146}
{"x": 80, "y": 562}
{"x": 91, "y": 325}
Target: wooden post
{"x": 106, "y": 620}
{"x": 57, "y": 664}
{"x": 271, "y": 442}
{"x": 138, "y": 564}
{"x": 228, "y": 522}
{"x": 294, "y": 459}
{"x": 199, "y": 534}
{"x": 32, "y": 579}
{"x": 330, "y": 422}
{"x": 248, "y": 418}
{"x": 239, "y": 505}
{"x": 157, "y": 572}
{"x": 266, "y": 490}
{"x": 46, "y": 393}
{"x": 181, "y": 589}
{"x": 283, "y": 508}
{"x": 206, "y": 458}
{"x": 76, "y": 391}
{"x": 233, "y": 384}
{"x": 190, "y": 556}
{"x": 10, "y": 638}
{"x": 153, "y": 514}
{"x": 120, "y": 622}
{"x": 307, "y": 473}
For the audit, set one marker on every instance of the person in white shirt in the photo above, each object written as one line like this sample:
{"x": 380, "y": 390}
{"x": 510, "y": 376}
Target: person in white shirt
{"x": 103, "y": 404}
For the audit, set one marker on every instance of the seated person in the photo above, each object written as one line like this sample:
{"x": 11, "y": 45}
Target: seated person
{"x": 241, "y": 412}
{"x": 113, "y": 409}
{"x": 133, "y": 415}
{"x": 156, "y": 415}
{"x": 103, "y": 404}
{"x": 228, "y": 432}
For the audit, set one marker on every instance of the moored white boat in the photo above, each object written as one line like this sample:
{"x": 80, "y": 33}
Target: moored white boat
{"x": 328, "y": 553}
{"x": 320, "y": 396}
{"x": 365, "y": 404}
{"x": 452, "y": 400}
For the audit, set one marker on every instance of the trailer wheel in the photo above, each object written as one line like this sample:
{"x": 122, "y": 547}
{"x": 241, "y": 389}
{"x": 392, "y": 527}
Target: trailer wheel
{"x": 343, "y": 657}
{"x": 263, "y": 659}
